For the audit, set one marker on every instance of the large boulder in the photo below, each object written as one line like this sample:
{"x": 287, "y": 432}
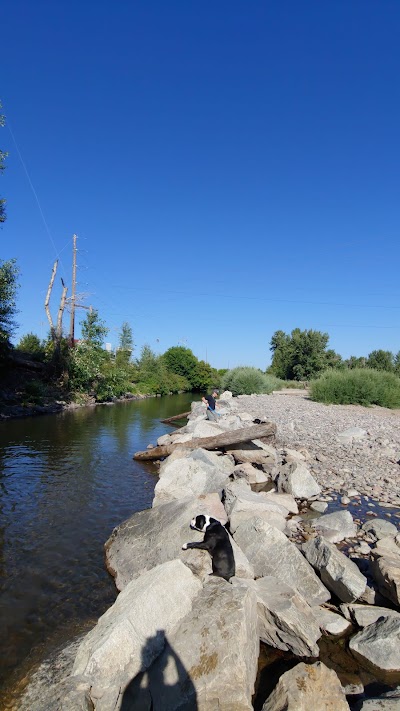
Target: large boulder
{"x": 250, "y": 474}
{"x": 130, "y": 635}
{"x": 330, "y": 622}
{"x": 157, "y": 535}
{"x": 260, "y": 455}
{"x": 210, "y": 661}
{"x": 285, "y": 620}
{"x": 364, "y": 615}
{"x": 242, "y": 503}
{"x": 340, "y": 575}
{"x": 335, "y": 526}
{"x": 271, "y": 553}
{"x": 295, "y": 478}
{"x": 386, "y": 571}
{"x": 378, "y": 645}
{"x": 305, "y": 687}
{"x": 380, "y": 528}
{"x": 199, "y": 472}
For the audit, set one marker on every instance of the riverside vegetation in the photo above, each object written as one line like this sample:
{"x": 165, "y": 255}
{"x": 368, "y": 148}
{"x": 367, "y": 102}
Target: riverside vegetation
{"x": 38, "y": 375}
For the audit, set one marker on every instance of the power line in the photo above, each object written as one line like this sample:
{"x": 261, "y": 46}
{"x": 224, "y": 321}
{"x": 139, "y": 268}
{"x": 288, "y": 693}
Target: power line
{"x": 34, "y": 192}
{"x": 253, "y": 298}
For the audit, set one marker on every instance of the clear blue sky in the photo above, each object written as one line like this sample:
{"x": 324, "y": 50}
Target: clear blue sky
{"x": 230, "y": 168}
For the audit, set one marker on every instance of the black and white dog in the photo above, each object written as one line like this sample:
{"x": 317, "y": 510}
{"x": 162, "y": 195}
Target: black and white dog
{"x": 216, "y": 542}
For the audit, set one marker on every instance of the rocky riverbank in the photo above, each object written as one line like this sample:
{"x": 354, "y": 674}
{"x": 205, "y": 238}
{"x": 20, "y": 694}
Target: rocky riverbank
{"x": 178, "y": 639}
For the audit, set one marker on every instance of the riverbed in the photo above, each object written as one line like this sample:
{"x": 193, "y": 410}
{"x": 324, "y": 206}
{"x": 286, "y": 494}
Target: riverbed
{"x": 66, "y": 481}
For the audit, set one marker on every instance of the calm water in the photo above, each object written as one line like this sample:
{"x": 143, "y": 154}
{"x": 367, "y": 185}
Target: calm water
{"x": 65, "y": 481}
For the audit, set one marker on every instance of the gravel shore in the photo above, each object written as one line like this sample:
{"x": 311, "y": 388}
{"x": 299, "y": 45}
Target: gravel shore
{"x": 370, "y": 465}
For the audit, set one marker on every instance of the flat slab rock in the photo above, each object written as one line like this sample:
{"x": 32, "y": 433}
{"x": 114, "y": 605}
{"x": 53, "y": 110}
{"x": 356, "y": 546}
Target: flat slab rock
{"x": 156, "y": 535}
{"x": 210, "y": 662}
{"x": 330, "y": 622}
{"x": 295, "y": 478}
{"x": 335, "y": 527}
{"x": 130, "y": 635}
{"x": 386, "y": 572}
{"x": 199, "y": 472}
{"x": 340, "y": 575}
{"x": 286, "y": 621}
{"x": 364, "y": 615}
{"x": 272, "y": 554}
{"x": 378, "y": 645}
{"x": 307, "y": 687}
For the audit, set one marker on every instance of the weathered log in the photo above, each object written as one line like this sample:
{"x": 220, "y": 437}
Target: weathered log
{"x": 175, "y": 417}
{"x": 225, "y": 439}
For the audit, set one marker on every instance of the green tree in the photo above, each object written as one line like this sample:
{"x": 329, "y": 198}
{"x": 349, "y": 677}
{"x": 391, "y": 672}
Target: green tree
{"x": 397, "y": 363}
{"x": 8, "y": 309}
{"x": 89, "y": 359}
{"x": 31, "y": 343}
{"x": 302, "y": 355}
{"x": 381, "y": 360}
{"x": 93, "y": 329}
{"x": 355, "y": 362}
{"x": 3, "y": 156}
{"x": 183, "y": 362}
{"x": 125, "y": 346}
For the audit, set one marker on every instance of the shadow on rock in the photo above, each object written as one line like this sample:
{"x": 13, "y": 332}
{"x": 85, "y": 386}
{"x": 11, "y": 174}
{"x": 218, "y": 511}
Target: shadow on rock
{"x": 165, "y": 686}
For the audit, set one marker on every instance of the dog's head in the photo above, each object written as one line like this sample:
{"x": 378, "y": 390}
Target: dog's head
{"x": 201, "y": 522}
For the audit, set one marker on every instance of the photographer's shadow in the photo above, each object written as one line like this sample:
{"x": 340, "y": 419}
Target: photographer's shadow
{"x": 164, "y": 686}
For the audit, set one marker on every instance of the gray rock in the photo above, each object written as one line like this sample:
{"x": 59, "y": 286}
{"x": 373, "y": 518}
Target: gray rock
{"x": 330, "y": 622}
{"x": 205, "y": 428}
{"x": 340, "y": 575}
{"x": 199, "y": 472}
{"x": 365, "y": 615}
{"x": 319, "y": 506}
{"x": 266, "y": 459}
{"x": 390, "y": 545}
{"x": 380, "y": 528}
{"x": 272, "y": 554}
{"x": 157, "y": 535}
{"x": 286, "y": 621}
{"x": 250, "y": 474}
{"x": 305, "y": 687}
{"x": 352, "y": 434}
{"x": 295, "y": 478}
{"x": 378, "y": 645}
{"x": 335, "y": 526}
{"x": 164, "y": 439}
{"x": 242, "y": 503}
{"x": 286, "y": 500}
{"x": 210, "y": 661}
{"x": 386, "y": 572}
{"x": 130, "y": 635}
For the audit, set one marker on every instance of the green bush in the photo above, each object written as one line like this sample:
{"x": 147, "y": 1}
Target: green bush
{"x": 362, "y": 386}
{"x": 245, "y": 380}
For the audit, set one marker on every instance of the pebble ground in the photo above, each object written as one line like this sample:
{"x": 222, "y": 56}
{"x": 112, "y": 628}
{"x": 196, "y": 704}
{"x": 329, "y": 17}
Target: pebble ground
{"x": 370, "y": 465}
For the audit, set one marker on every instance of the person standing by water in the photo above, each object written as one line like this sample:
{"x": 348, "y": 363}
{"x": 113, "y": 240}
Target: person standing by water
{"x": 209, "y": 400}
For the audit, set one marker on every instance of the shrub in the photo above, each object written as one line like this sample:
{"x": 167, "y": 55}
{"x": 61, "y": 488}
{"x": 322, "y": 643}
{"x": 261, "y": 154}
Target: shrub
{"x": 362, "y": 386}
{"x": 245, "y": 380}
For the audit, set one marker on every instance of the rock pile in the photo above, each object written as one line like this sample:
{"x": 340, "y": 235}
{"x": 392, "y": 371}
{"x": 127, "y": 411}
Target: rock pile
{"x": 178, "y": 639}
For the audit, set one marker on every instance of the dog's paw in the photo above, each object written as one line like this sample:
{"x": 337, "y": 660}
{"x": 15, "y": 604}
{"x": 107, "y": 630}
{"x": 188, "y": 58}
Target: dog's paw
{"x": 184, "y": 547}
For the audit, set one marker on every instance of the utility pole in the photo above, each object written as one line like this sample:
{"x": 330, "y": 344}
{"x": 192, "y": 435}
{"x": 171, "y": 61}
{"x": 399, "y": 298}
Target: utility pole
{"x": 73, "y": 295}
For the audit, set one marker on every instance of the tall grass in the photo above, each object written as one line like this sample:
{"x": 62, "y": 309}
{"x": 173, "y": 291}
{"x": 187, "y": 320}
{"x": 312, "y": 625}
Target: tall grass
{"x": 359, "y": 386}
{"x": 248, "y": 381}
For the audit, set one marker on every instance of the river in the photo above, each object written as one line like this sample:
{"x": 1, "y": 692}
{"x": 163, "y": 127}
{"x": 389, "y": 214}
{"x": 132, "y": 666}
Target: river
{"x": 66, "y": 481}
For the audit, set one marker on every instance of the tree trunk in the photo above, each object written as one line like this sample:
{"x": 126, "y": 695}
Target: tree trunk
{"x": 266, "y": 431}
{"x": 175, "y": 417}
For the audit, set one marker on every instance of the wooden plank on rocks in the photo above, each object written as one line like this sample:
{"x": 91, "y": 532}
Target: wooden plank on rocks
{"x": 225, "y": 439}
{"x": 175, "y": 417}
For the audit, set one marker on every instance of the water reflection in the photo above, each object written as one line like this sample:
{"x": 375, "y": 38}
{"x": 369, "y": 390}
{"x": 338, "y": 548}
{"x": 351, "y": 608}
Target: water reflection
{"x": 65, "y": 481}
